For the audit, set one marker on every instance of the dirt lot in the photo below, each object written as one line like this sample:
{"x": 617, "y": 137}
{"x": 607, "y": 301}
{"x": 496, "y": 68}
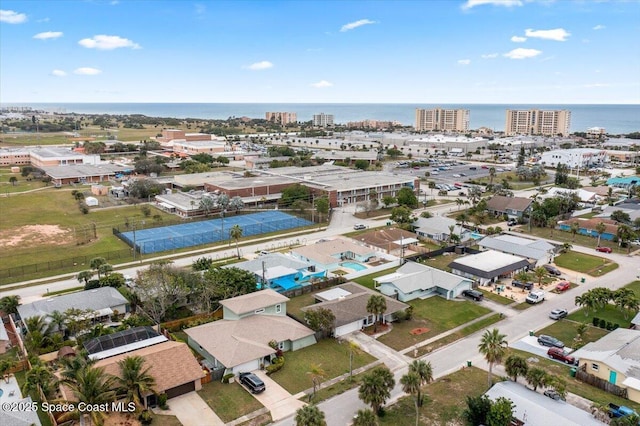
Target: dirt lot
{"x": 35, "y": 235}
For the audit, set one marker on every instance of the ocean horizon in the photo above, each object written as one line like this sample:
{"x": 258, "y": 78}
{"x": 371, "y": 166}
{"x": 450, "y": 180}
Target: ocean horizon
{"x": 615, "y": 118}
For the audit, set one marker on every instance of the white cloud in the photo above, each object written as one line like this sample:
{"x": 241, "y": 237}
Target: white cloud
{"x": 521, "y": 53}
{"x": 12, "y": 17}
{"x": 489, "y": 56}
{"x": 87, "y": 71}
{"x": 321, "y": 84}
{"x": 558, "y": 34}
{"x": 258, "y": 66}
{"x": 518, "y": 39}
{"x": 592, "y": 85}
{"x": 58, "y": 73}
{"x": 507, "y": 3}
{"x": 107, "y": 42}
{"x": 43, "y": 20}
{"x": 464, "y": 61}
{"x": 47, "y": 35}
{"x": 599, "y": 27}
{"x": 356, "y": 24}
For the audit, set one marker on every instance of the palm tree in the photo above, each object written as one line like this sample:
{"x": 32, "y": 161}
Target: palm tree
{"x": 492, "y": 175}
{"x": 96, "y": 263}
{"x": 236, "y": 233}
{"x": 493, "y": 346}
{"x": 551, "y": 223}
{"x": 566, "y": 247}
{"x": 587, "y": 301}
{"x": 575, "y": 227}
{"x": 411, "y": 384}
{"x": 376, "y": 387}
{"x": 537, "y": 377}
{"x": 93, "y": 386}
{"x": 624, "y": 234}
{"x": 377, "y": 306}
{"x": 13, "y": 180}
{"x": 134, "y": 381}
{"x": 57, "y": 321}
{"x": 354, "y": 349}
{"x": 600, "y": 228}
{"x": 516, "y": 366}
{"x": 316, "y": 372}
{"x": 84, "y": 276}
{"x": 425, "y": 373}
{"x": 71, "y": 367}
{"x": 310, "y": 415}
{"x": 540, "y": 274}
{"x": 459, "y": 202}
{"x": 9, "y": 304}
{"x": 365, "y": 417}
{"x": 40, "y": 376}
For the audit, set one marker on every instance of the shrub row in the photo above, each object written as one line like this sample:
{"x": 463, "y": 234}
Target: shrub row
{"x": 607, "y": 325}
{"x": 276, "y": 365}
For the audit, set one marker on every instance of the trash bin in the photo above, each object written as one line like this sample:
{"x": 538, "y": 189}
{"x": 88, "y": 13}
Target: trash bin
{"x": 573, "y": 371}
{"x": 468, "y": 363}
{"x": 582, "y": 280}
{"x": 531, "y": 333}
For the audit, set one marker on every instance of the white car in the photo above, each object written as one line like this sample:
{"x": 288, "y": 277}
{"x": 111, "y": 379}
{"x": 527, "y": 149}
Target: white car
{"x": 456, "y": 175}
{"x": 359, "y": 226}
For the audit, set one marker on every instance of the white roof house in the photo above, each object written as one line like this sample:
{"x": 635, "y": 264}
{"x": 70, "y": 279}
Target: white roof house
{"x": 535, "y": 409}
{"x": 539, "y": 251}
{"x": 488, "y": 266}
{"x": 583, "y": 196}
{"x": 437, "y": 228}
{"x": 414, "y": 280}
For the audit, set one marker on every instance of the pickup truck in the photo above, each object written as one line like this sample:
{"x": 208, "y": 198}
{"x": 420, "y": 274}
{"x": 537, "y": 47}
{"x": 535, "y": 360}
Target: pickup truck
{"x": 520, "y": 284}
{"x": 620, "y": 410}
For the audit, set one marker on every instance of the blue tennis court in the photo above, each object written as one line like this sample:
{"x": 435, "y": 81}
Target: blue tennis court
{"x": 172, "y": 237}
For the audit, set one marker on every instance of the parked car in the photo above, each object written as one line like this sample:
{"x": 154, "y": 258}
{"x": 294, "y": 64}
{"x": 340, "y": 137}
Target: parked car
{"x": 512, "y": 222}
{"x": 457, "y": 175}
{"x": 604, "y": 249}
{"x": 620, "y": 410}
{"x": 252, "y": 382}
{"x": 535, "y": 297}
{"x": 484, "y": 167}
{"x": 520, "y": 284}
{"x": 552, "y": 270}
{"x": 563, "y": 286}
{"x": 560, "y": 355}
{"x": 473, "y": 294}
{"x": 473, "y": 168}
{"x": 557, "y": 314}
{"x": 359, "y": 226}
{"x": 553, "y": 394}
{"x": 546, "y": 340}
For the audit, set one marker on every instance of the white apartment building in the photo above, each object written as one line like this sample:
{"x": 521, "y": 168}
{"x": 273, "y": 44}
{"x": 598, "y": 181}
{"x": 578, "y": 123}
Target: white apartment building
{"x": 537, "y": 122}
{"x": 322, "y": 120}
{"x": 282, "y": 118}
{"x": 454, "y": 120}
{"x": 582, "y": 158}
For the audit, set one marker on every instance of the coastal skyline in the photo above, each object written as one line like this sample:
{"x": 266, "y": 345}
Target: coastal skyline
{"x": 473, "y": 51}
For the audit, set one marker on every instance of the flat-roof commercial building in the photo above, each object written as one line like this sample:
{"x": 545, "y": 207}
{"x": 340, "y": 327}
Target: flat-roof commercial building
{"x": 488, "y": 266}
{"x": 577, "y": 157}
{"x": 47, "y": 156}
{"x": 83, "y": 173}
{"x": 453, "y": 120}
{"x": 282, "y": 118}
{"x": 537, "y": 122}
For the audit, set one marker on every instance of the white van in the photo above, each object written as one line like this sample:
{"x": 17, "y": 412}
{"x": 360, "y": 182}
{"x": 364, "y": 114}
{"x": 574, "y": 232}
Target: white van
{"x": 536, "y": 296}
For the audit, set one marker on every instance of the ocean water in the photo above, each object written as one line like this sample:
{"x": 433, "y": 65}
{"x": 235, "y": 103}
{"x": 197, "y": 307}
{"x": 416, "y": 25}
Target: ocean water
{"x": 616, "y": 119}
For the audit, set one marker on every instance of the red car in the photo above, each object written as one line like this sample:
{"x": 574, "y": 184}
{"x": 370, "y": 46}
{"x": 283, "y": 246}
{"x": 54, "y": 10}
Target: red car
{"x": 484, "y": 167}
{"x": 563, "y": 286}
{"x": 604, "y": 249}
{"x": 559, "y": 354}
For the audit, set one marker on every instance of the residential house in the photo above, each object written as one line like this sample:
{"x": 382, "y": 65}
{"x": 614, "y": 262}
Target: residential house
{"x": 240, "y": 341}
{"x": 5, "y": 343}
{"x": 615, "y": 358}
{"x": 629, "y": 206}
{"x": 438, "y": 228}
{"x": 280, "y": 271}
{"x": 582, "y": 195}
{"x": 588, "y": 227}
{"x": 414, "y": 280}
{"x": 102, "y": 302}
{"x": 531, "y": 408}
{"x": 514, "y": 207}
{"x": 348, "y": 302}
{"x": 537, "y": 252}
{"x": 172, "y": 365}
{"x": 393, "y": 241}
{"x": 488, "y": 267}
{"x": 122, "y": 341}
{"x": 22, "y": 417}
{"x": 330, "y": 255}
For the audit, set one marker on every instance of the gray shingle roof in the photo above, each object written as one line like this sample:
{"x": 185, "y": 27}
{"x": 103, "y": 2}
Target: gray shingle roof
{"x": 252, "y": 301}
{"x": 500, "y": 203}
{"x": 413, "y": 276}
{"x": 270, "y": 261}
{"x": 619, "y": 349}
{"x": 518, "y": 246}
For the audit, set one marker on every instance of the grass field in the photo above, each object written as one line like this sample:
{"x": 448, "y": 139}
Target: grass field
{"x": 514, "y": 181}
{"x": 228, "y": 400}
{"x": 367, "y": 280}
{"x": 609, "y": 313}
{"x": 444, "y": 400}
{"x": 567, "y": 237}
{"x": 436, "y": 314}
{"x": 585, "y": 263}
{"x": 330, "y": 355}
{"x": 565, "y": 330}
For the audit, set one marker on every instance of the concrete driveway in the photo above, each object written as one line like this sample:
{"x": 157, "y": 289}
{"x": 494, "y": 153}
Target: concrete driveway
{"x": 530, "y": 344}
{"x": 191, "y": 410}
{"x": 277, "y": 399}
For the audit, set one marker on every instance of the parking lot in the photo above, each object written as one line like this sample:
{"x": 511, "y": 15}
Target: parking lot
{"x": 461, "y": 168}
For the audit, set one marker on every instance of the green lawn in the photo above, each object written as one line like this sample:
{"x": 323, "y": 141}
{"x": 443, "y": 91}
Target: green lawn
{"x": 585, "y": 263}
{"x": 441, "y": 262}
{"x": 496, "y": 297}
{"x": 565, "y": 330}
{"x": 567, "y": 237}
{"x": 228, "y": 400}
{"x": 295, "y": 305}
{"x": 160, "y": 419}
{"x": 336, "y": 388}
{"x": 367, "y": 280}
{"x": 522, "y": 306}
{"x": 434, "y": 313}
{"x": 574, "y": 385}
{"x": 445, "y": 400}
{"x": 330, "y": 355}
{"x": 609, "y": 313}
{"x": 635, "y": 286}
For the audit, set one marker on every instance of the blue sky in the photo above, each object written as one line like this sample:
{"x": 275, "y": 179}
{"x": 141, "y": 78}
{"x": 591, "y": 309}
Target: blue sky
{"x": 455, "y": 51}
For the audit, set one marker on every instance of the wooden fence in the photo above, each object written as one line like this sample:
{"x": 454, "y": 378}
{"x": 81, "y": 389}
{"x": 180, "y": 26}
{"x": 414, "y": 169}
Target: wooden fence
{"x": 605, "y": 385}
{"x": 179, "y": 324}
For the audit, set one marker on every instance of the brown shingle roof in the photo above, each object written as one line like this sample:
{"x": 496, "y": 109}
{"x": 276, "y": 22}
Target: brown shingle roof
{"x": 384, "y": 238}
{"x": 500, "y": 203}
{"x": 252, "y": 301}
{"x": 170, "y": 363}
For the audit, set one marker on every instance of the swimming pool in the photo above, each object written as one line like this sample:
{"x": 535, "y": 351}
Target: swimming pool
{"x": 476, "y": 236}
{"x": 354, "y": 265}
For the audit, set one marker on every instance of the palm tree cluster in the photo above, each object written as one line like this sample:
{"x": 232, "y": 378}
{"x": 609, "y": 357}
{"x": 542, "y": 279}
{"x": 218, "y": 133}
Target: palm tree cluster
{"x": 376, "y": 387}
{"x": 419, "y": 374}
{"x": 595, "y": 299}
